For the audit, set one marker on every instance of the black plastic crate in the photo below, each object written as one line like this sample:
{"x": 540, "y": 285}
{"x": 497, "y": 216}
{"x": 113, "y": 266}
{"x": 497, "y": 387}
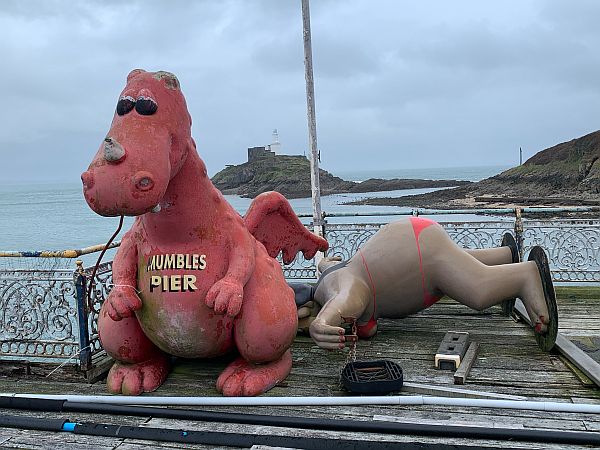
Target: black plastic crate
{"x": 372, "y": 377}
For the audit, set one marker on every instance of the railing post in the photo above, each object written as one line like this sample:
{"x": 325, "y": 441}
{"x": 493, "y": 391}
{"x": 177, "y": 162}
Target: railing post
{"x": 519, "y": 232}
{"x": 323, "y": 233}
{"x": 85, "y": 353}
{"x": 324, "y": 225}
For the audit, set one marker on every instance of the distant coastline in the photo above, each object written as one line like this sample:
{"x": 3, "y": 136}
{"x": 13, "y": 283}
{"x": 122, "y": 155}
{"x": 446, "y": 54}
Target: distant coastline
{"x": 463, "y": 173}
{"x": 566, "y": 174}
{"x": 290, "y": 175}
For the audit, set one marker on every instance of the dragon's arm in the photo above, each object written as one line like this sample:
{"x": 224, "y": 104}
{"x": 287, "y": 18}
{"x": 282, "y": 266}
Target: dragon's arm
{"x": 226, "y": 295}
{"x": 123, "y": 299}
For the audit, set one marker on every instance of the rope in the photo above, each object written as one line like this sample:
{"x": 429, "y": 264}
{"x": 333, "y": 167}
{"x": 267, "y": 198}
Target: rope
{"x": 89, "y": 293}
{"x": 72, "y": 356}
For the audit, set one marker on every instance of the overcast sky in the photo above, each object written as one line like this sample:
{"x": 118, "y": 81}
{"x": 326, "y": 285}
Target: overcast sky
{"x": 399, "y": 84}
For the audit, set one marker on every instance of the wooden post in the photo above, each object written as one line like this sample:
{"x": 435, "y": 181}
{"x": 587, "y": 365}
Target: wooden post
{"x": 582, "y": 360}
{"x": 519, "y": 232}
{"x": 85, "y": 352}
{"x": 460, "y": 376}
{"x": 312, "y": 125}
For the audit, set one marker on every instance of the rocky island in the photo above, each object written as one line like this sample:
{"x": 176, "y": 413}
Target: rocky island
{"x": 565, "y": 174}
{"x": 290, "y": 175}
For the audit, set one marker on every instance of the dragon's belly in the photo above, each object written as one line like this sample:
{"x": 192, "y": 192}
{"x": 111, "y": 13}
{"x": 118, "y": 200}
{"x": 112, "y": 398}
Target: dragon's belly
{"x": 174, "y": 316}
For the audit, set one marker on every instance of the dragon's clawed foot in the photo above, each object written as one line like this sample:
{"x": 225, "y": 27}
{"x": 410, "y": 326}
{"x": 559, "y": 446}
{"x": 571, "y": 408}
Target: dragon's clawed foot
{"x": 134, "y": 379}
{"x": 242, "y": 378}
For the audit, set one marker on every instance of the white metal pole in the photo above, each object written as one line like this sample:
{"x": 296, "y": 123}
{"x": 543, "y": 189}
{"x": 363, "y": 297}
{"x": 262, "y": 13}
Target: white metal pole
{"x": 581, "y": 408}
{"x": 312, "y": 125}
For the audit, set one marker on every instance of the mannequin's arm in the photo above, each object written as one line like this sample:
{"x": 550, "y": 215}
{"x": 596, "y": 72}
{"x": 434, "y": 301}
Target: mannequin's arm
{"x": 352, "y": 301}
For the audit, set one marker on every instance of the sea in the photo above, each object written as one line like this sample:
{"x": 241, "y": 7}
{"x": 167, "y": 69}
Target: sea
{"x": 55, "y": 216}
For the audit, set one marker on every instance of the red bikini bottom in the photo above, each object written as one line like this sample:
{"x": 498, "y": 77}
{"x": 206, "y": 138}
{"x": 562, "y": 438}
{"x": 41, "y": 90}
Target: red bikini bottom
{"x": 418, "y": 224}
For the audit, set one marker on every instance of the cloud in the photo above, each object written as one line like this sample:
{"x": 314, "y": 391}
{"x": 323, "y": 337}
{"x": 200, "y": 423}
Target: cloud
{"x": 398, "y": 83}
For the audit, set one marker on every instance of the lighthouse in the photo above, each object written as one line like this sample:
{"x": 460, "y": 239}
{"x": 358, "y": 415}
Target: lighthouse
{"x": 275, "y": 146}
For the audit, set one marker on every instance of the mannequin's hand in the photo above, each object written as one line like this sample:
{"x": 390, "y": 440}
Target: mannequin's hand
{"x": 327, "y": 336}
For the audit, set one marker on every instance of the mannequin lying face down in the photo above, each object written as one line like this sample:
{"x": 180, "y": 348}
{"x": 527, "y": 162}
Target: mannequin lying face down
{"x": 409, "y": 265}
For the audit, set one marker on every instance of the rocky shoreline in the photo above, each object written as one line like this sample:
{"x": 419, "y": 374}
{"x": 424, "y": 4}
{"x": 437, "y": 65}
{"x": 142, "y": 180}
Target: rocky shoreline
{"x": 460, "y": 199}
{"x": 567, "y": 174}
{"x": 290, "y": 175}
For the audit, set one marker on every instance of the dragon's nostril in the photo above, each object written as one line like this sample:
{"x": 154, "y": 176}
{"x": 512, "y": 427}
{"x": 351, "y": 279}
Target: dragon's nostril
{"x": 88, "y": 179}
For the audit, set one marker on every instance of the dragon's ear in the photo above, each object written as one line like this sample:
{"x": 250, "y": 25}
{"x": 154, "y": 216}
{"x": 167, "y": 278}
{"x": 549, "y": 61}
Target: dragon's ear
{"x": 134, "y": 73}
{"x": 170, "y": 80}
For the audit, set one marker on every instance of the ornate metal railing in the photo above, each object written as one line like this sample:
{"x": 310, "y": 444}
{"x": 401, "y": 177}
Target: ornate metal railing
{"x": 38, "y": 315}
{"x": 102, "y": 286}
{"x": 44, "y": 314}
{"x": 345, "y": 239}
{"x": 573, "y": 247}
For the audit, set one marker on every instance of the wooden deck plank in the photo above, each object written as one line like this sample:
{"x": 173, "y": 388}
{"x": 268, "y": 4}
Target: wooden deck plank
{"x": 509, "y": 362}
{"x": 132, "y": 444}
{"x": 52, "y": 441}
{"x": 397, "y": 439}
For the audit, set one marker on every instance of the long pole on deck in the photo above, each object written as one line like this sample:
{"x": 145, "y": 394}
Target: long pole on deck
{"x": 312, "y": 124}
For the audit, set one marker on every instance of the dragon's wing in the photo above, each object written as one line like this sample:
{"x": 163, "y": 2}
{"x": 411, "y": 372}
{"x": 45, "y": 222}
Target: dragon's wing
{"x": 272, "y": 222}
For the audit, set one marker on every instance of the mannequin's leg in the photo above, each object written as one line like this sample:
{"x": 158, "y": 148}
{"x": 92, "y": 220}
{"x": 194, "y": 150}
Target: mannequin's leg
{"x": 456, "y": 273}
{"x": 507, "y": 253}
{"x": 492, "y": 256}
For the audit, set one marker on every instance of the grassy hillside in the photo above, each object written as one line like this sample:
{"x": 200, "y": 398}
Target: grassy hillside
{"x": 287, "y": 174}
{"x": 568, "y": 169}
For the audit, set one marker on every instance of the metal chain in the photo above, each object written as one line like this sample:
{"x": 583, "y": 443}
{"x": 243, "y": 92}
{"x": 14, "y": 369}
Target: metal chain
{"x": 351, "y": 357}
{"x": 352, "y": 352}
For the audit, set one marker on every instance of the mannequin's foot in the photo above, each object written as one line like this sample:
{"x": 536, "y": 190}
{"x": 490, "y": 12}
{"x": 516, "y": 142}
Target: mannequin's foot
{"x": 546, "y": 325}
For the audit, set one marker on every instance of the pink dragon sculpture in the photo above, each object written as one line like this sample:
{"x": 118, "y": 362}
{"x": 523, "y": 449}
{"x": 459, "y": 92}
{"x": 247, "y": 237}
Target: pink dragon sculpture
{"x": 192, "y": 278}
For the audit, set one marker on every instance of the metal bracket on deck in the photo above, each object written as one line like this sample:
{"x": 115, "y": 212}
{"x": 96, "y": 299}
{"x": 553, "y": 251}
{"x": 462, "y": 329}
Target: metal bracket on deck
{"x": 452, "y": 350}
